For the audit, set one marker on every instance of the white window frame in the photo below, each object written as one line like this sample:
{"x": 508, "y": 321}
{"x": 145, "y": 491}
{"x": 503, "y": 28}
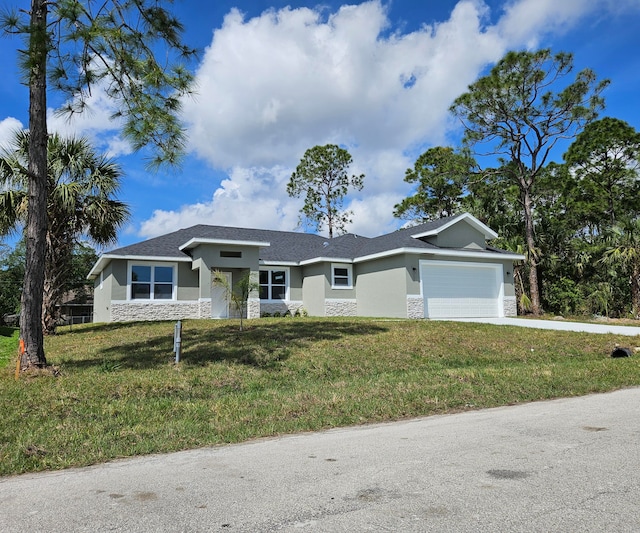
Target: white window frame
{"x": 349, "y": 269}
{"x": 174, "y": 276}
{"x": 287, "y": 282}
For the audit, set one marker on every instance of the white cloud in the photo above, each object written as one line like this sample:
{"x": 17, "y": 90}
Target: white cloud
{"x": 248, "y": 198}
{"x": 525, "y": 21}
{"x": 275, "y": 85}
{"x": 95, "y": 123}
{"x": 372, "y": 216}
{"x": 8, "y": 127}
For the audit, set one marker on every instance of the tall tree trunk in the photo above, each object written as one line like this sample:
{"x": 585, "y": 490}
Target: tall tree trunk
{"x": 56, "y": 271}
{"x": 57, "y": 267}
{"x": 31, "y": 301}
{"x": 534, "y": 287}
{"x": 329, "y": 219}
{"x": 635, "y": 291}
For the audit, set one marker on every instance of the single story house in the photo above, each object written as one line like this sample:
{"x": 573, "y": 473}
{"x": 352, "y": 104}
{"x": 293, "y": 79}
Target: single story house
{"x": 440, "y": 269}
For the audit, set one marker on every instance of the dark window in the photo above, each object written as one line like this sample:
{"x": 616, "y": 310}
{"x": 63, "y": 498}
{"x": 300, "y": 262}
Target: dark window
{"x": 140, "y": 282}
{"x": 341, "y": 276}
{"x": 273, "y": 284}
{"x": 227, "y": 253}
{"x": 151, "y": 282}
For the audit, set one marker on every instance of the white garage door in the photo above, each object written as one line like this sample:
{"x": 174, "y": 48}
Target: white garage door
{"x": 461, "y": 290}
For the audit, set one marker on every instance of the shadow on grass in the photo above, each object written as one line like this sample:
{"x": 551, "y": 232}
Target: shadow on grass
{"x": 103, "y": 327}
{"x": 262, "y": 345}
{"x": 6, "y": 331}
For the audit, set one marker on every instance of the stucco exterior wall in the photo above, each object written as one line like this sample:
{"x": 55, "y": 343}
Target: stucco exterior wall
{"x": 314, "y": 289}
{"x": 210, "y": 254}
{"x": 338, "y": 293}
{"x": 412, "y": 263}
{"x": 204, "y": 278}
{"x": 207, "y": 257}
{"x": 509, "y": 285}
{"x": 295, "y": 284}
{"x": 119, "y": 282}
{"x": 460, "y": 236}
{"x": 320, "y": 298}
{"x": 381, "y": 287}
{"x": 188, "y": 283}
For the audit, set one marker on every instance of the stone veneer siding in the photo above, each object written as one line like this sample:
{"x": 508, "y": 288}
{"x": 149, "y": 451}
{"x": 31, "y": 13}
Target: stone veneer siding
{"x": 335, "y": 307}
{"x": 415, "y": 307}
{"x": 510, "y": 306}
{"x": 133, "y": 311}
{"x": 204, "y": 305}
{"x": 253, "y": 308}
{"x": 127, "y": 312}
{"x": 280, "y": 307}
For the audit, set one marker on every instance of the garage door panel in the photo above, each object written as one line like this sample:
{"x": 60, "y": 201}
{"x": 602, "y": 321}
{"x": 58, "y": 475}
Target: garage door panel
{"x": 460, "y": 291}
{"x": 462, "y": 308}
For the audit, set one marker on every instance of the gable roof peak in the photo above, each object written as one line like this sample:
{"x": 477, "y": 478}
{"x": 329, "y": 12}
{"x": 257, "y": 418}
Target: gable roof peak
{"x": 433, "y": 228}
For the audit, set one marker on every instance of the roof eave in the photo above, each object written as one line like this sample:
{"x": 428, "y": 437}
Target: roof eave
{"x": 441, "y": 252}
{"x": 473, "y": 221}
{"x": 192, "y": 243}
{"x": 278, "y": 263}
{"x": 325, "y": 259}
{"x": 105, "y": 259}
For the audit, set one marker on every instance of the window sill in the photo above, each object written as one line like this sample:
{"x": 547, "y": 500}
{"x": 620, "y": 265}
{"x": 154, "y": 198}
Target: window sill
{"x": 143, "y": 301}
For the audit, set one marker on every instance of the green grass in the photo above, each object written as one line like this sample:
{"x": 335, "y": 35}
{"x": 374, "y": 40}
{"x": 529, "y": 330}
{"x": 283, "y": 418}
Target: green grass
{"x": 119, "y": 394}
{"x": 8, "y": 345}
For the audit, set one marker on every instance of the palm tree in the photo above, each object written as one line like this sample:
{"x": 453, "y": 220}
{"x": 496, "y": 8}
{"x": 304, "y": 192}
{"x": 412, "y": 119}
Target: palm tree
{"x": 80, "y": 203}
{"x": 623, "y": 250}
{"x": 238, "y": 293}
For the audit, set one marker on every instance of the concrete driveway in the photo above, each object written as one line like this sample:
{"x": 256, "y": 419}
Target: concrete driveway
{"x": 559, "y": 325}
{"x": 558, "y": 466}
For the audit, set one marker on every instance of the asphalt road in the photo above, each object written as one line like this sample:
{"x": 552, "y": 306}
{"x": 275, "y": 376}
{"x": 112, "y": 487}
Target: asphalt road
{"x": 559, "y": 466}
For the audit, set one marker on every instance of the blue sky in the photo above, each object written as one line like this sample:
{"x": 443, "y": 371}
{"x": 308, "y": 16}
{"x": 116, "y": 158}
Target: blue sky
{"x": 276, "y": 78}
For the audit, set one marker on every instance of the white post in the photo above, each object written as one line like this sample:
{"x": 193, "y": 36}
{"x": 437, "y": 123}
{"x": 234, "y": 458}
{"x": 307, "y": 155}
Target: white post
{"x": 177, "y": 339}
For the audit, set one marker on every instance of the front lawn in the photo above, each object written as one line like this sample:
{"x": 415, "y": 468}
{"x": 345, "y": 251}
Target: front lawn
{"x": 8, "y": 345}
{"x": 119, "y": 394}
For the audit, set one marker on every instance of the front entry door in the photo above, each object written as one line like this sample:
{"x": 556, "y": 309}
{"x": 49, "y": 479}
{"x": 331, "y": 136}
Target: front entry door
{"x": 220, "y": 298}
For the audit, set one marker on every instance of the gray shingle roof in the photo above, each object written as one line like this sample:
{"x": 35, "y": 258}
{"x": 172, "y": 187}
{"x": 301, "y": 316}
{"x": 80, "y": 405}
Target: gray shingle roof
{"x": 284, "y": 245}
{"x": 287, "y": 246}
